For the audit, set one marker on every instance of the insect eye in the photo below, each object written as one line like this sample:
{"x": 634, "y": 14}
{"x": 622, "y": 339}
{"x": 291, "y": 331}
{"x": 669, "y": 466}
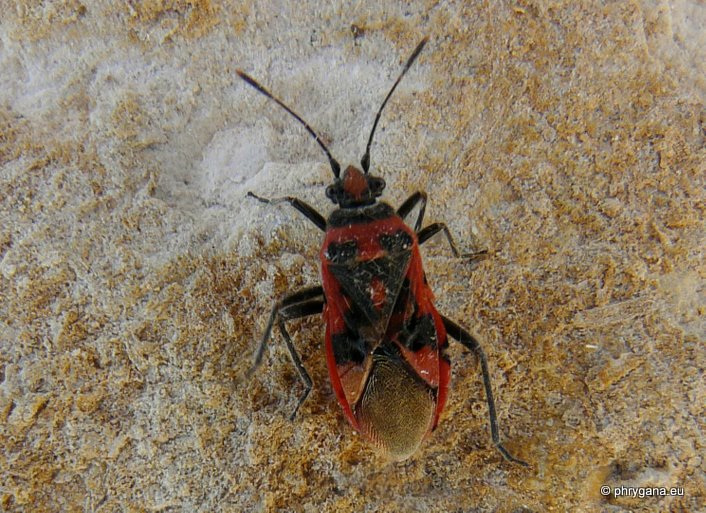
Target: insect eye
{"x": 377, "y": 185}
{"x": 333, "y": 192}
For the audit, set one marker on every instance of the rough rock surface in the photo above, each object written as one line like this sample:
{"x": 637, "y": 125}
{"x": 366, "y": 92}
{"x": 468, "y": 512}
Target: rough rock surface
{"x": 135, "y": 276}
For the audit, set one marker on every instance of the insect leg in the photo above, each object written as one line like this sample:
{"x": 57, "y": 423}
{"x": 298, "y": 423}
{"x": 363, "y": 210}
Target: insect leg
{"x": 410, "y": 203}
{"x": 425, "y": 234}
{"x": 297, "y": 297}
{"x": 457, "y": 332}
{"x": 309, "y": 212}
{"x": 297, "y": 311}
{"x": 431, "y": 230}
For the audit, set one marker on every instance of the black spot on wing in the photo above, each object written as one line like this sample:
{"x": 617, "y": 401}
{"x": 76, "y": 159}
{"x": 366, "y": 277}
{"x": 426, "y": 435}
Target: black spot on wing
{"x": 396, "y": 242}
{"x": 348, "y": 347}
{"x": 419, "y": 332}
{"x": 341, "y": 252}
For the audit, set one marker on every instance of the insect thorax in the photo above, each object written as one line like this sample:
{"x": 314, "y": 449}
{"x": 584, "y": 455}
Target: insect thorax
{"x": 347, "y": 216}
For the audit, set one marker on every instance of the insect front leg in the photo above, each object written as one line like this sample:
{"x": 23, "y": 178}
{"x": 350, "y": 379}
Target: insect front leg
{"x": 457, "y": 332}
{"x": 309, "y": 212}
{"x": 410, "y": 203}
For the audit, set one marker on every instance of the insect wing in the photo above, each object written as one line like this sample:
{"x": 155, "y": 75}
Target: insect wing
{"x": 383, "y": 335}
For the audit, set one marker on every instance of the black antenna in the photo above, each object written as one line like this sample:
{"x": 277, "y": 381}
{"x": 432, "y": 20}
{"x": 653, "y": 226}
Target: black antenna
{"x": 335, "y": 166}
{"x": 365, "y": 161}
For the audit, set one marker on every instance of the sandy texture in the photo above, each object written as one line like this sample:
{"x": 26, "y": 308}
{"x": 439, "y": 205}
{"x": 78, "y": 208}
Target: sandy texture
{"x": 136, "y": 277}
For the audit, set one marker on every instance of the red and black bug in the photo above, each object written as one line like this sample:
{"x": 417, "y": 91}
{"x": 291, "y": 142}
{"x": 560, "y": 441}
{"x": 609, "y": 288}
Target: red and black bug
{"x": 386, "y": 345}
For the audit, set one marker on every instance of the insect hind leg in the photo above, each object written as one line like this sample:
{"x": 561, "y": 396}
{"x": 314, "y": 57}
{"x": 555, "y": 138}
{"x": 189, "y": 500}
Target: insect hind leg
{"x": 309, "y": 212}
{"x": 457, "y": 332}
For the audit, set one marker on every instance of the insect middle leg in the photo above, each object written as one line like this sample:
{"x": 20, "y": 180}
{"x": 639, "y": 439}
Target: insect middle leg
{"x": 301, "y": 304}
{"x": 297, "y": 311}
{"x": 431, "y": 230}
{"x": 457, "y": 332}
{"x": 427, "y": 233}
{"x": 309, "y": 212}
